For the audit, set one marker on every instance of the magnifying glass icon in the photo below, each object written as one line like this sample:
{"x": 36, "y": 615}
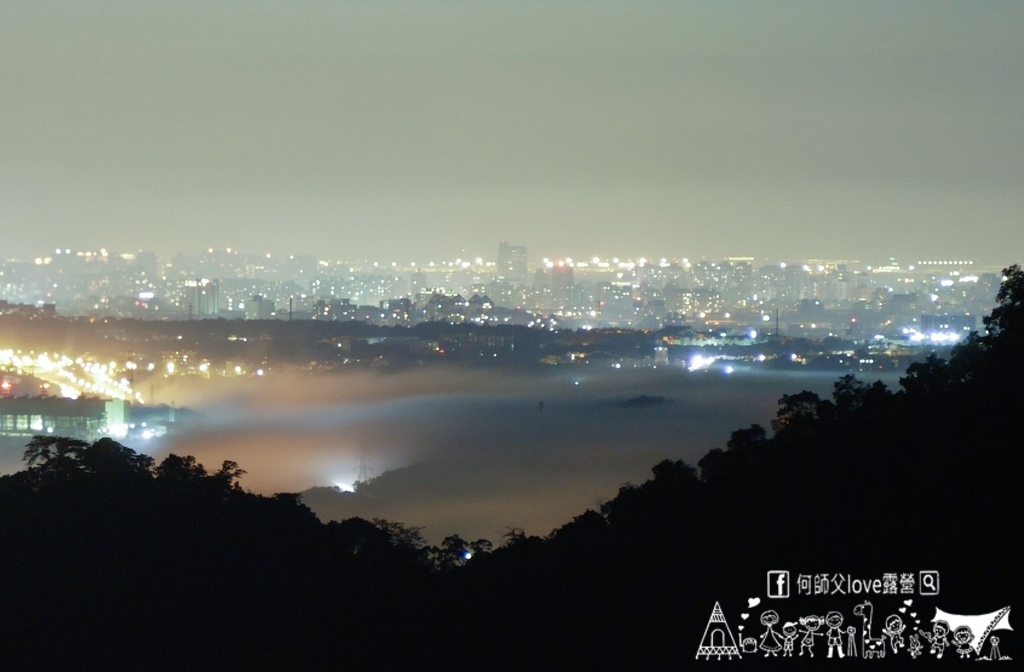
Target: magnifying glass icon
{"x": 929, "y": 583}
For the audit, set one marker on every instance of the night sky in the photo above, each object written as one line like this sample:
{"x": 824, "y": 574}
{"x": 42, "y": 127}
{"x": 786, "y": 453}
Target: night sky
{"x": 411, "y": 131}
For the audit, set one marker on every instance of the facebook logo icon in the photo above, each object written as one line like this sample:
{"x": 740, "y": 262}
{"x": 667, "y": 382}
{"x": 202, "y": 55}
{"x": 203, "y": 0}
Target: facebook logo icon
{"x": 778, "y": 583}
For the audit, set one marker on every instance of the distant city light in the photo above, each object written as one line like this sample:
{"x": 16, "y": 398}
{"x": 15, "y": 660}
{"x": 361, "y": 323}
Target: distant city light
{"x": 698, "y": 362}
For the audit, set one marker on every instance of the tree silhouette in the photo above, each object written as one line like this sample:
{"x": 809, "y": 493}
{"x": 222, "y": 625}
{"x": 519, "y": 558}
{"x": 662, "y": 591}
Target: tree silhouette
{"x": 179, "y": 469}
{"x": 57, "y": 459}
{"x": 1006, "y": 320}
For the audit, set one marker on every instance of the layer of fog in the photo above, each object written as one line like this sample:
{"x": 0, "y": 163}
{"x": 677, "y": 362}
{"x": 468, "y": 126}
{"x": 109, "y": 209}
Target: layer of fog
{"x": 473, "y": 452}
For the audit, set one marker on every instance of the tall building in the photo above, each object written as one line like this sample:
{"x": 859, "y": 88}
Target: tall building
{"x": 512, "y": 262}
{"x": 561, "y": 283}
{"x": 259, "y": 308}
{"x": 201, "y": 298}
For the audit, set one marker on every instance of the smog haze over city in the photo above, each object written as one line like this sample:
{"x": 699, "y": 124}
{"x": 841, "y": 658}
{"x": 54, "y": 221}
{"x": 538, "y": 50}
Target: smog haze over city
{"x": 416, "y": 131}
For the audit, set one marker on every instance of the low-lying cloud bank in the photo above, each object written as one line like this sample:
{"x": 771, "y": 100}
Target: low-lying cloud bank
{"x": 475, "y": 452}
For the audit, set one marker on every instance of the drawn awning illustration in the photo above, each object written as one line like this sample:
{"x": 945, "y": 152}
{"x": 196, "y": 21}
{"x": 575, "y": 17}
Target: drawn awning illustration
{"x": 981, "y": 624}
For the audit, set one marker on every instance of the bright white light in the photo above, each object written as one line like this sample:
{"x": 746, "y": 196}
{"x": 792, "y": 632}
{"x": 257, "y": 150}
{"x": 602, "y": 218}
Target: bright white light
{"x": 941, "y": 338}
{"x": 467, "y": 555}
{"x": 119, "y": 430}
{"x": 729, "y": 369}
{"x": 699, "y": 362}
{"x": 344, "y": 487}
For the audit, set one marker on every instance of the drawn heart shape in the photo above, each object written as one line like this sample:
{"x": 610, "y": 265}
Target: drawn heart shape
{"x": 903, "y": 610}
{"x": 739, "y": 627}
{"x": 744, "y": 616}
{"x": 913, "y": 614}
{"x": 908, "y": 602}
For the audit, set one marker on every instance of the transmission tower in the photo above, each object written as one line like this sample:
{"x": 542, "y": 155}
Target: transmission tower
{"x": 364, "y": 471}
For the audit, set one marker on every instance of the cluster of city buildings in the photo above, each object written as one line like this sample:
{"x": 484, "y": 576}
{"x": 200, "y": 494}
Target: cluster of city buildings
{"x": 137, "y": 321}
{"x": 898, "y": 299}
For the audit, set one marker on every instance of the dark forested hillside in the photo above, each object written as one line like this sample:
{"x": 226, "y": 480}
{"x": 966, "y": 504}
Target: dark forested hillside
{"x": 109, "y": 561}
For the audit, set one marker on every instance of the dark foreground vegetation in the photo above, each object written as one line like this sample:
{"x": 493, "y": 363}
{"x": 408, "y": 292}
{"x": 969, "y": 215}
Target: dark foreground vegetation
{"x": 109, "y": 561}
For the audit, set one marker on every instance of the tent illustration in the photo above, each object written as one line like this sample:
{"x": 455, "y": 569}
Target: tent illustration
{"x": 718, "y": 640}
{"x": 981, "y": 625}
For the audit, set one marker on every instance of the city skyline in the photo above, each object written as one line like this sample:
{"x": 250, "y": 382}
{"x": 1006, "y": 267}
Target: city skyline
{"x": 932, "y": 299}
{"x": 405, "y": 130}
{"x": 492, "y": 258}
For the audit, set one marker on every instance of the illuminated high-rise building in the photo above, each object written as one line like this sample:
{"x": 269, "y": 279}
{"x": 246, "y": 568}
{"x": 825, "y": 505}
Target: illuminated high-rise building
{"x": 201, "y": 298}
{"x": 512, "y": 262}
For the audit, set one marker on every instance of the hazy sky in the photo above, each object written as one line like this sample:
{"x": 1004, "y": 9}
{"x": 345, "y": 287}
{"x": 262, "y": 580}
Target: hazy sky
{"x": 407, "y": 130}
